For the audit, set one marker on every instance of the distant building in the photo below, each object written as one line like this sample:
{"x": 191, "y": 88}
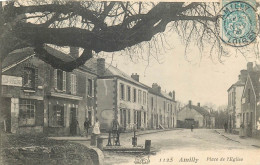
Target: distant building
{"x": 161, "y": 108}
{"x": 40, "y": 98}
{"x": 191, "y": 114}
{"x": 234, "y": 101}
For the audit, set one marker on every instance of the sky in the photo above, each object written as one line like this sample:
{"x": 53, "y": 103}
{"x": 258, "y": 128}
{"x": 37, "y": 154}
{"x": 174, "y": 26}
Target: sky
{"x": 192, "y": 78}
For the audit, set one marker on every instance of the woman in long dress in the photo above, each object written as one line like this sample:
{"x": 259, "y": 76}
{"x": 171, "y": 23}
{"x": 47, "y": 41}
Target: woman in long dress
{"x": 96, "y": 128}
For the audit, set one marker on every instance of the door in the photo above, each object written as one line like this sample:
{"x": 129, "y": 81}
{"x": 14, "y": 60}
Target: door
{"x": 152, "y": 121}
{"x": 73, "y": 121}
{"x": 124, "y": 119}
{"x": 138, "y": 119}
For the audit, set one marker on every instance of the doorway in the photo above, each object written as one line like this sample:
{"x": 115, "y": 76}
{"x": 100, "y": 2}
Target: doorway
{"x": 73, "y": 121}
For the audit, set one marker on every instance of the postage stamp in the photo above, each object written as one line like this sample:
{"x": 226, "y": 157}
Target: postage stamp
{"x": 238, "y": 23}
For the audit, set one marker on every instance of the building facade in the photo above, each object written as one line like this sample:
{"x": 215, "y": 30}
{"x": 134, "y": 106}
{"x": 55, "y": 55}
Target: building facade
{"x": 234, "y": 101}
{"x": 250, "y": 112}
{"x": 119, "y": 97}
{"x": 39, "y": 98}
{"x": 197, "y": 115}
{"x": 161, "y": 108}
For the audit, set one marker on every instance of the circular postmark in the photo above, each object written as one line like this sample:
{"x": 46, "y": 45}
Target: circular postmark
{"x": 238, "y": 24}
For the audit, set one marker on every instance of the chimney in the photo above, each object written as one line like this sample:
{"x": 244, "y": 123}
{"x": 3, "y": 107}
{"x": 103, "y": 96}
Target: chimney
{"x": 156, "y": 88}
{"x": 100, "y": 66}
{"x": 190, "y": 104}
{"x": 135, "y": 76}
{"x": 74, "y": 52}
{"x": 173, "y": 95}
{"x": 250, "y": 66}
{"x": 198, "y": 104}
{"x": 170, "y": 94}
{"x": 243, "y": 75}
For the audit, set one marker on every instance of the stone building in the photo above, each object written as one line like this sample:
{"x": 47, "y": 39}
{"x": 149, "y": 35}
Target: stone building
{"x": 161, "y": 108}
{"x": 40, "y": 98}
{"x": 234, "y": 101}
{"x": 192, "y": 114}
{"x": 250, "y": 112}
{"x": 119, "y": 97}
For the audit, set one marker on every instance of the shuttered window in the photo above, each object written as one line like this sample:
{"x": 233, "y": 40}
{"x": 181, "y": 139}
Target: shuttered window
{"x": 60, "y": 80}
{"x": 64, "y": 81}
{"x": 93, "y": 87}
{"x": 73, "y": 84}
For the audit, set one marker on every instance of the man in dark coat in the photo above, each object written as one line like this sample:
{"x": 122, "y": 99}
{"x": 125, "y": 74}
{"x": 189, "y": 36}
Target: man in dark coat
{"x": 87, "y": 125}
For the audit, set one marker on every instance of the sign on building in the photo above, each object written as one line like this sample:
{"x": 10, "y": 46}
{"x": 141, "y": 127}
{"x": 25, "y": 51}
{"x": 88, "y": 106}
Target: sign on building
{"x": 12, "y": 80}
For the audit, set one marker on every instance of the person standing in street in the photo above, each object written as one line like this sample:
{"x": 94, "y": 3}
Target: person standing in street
{"x": 96, "y": 128}
{"x": 87, "y": 125}
{"x": 191, "y": 127}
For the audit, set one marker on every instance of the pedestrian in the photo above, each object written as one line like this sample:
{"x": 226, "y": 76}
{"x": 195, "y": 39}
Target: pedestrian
{"x": 225, "y": 126}
{"x": 191, "y": 127}
{"x": 96, "y": 128}
{"x": 87, "y": 125}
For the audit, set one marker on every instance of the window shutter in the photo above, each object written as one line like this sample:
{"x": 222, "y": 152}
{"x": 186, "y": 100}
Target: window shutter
{"x": 64, "y": 115}
{"x": 75, "y": 84}
{"x": 71, "y": 83}
{"x": 93, "y": 87}
{"x": 64, "y": 81}
{"x": 55, "y": 78}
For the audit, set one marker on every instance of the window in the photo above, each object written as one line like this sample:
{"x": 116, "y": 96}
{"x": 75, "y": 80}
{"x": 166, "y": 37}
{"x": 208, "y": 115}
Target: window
{"x": 144, "y": 98}
{"x": 128, "y": 93}
{"x": 73, "y": 84}
{"x": 122, "y": 91}
{"x": 60, "y": 77}
{"x": 58, "y": 116}
{"x": 135, "y": 117}
{"x": 164, "y": 105}
{"x": 152, "y": 102}
{"x": 26, "y": 112}
{"x": 29, "y": 78}
{"x": 134, "y": 95}
{"x": 129, "y": 116}
{"x": 144, "y": 117}
{"x": 90, "y": 87}
{"x": 249, "y": 95}
{"x": 139, "y": 96}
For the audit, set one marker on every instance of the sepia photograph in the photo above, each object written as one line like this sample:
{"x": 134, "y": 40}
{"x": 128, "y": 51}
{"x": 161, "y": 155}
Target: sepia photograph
{"x": 129, "y": 82}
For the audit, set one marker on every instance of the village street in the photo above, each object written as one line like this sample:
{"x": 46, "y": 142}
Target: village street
{"x": 169, "y": 143}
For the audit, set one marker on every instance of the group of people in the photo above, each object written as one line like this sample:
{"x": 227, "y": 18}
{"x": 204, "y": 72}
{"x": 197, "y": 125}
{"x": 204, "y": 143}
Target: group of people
{"x": 95, "y": 128}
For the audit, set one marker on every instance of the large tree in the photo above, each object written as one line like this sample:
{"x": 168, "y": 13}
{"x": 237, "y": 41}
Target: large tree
{"x": 99, "y": 26}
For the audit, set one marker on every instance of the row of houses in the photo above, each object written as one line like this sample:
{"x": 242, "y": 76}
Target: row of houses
{"x": 41, "y": 99}
{"x": 243, "y": 102}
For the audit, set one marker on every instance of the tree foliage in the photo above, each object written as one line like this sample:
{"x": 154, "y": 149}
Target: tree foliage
{"x": 101, "y": 26}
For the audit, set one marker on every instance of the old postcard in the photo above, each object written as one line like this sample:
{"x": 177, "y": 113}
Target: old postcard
{"x": 129, "y": 82}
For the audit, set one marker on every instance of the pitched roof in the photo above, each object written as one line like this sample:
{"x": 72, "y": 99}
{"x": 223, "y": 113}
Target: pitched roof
{"x": 200, "y": 110}
{"x": 111, "y": 71}
{"x": 254, "y": 76}
{"x": 66, "y": 57}
{"x": 59, "y": 54}
{"x": 162, "y": 94}
{"x": 16, "y": 56}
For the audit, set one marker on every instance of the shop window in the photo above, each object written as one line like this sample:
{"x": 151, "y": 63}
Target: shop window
{"x": 26, "y": 112}
{"x": 29, "y": 78}
{"x": 58, "y": 115}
